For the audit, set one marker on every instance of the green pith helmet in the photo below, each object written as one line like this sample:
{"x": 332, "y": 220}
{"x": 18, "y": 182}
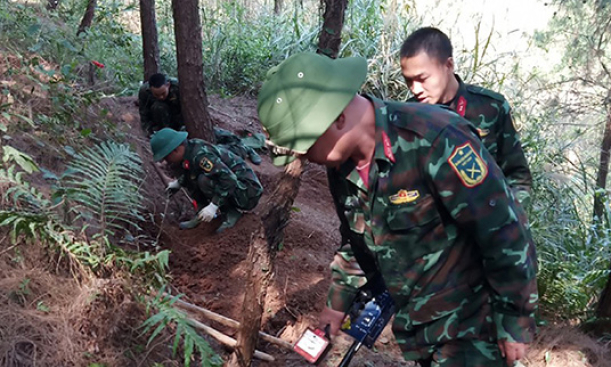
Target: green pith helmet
{"x": 303, "y": 95}
{"x": 165, "y": 141}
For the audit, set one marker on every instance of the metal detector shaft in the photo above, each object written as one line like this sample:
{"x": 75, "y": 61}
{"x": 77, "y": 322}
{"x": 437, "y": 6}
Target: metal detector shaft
{"x": 351, "y": 352}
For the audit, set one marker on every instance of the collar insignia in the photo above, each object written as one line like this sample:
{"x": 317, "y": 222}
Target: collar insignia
{"x": 185, "y": 164}
{"x": 461, "y": 107}
{"x": 387, "y": 147}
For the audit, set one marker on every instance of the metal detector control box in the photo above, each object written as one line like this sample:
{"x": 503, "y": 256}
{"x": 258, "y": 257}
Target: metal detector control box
{"x": 367, "y": 317}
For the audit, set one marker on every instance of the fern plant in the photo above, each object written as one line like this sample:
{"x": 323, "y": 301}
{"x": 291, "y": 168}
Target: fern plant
{"x": 30, "y": 215}
{"x": 192, "y": 342}
{"x": 103, "y": 183}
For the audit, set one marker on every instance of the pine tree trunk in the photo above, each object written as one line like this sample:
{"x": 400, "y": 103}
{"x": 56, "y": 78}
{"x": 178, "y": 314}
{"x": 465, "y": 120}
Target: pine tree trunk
{"x": 88, "y": 17}
{"x": 603, "y": 309}
{"x": 278, "y": 6}
{"x": 330, "y": 37}
{"x": 275, "y": 215}
{"x": 150, "y": 45}
{"x": 193, "y": 99}
{"x": 603, "y": 168}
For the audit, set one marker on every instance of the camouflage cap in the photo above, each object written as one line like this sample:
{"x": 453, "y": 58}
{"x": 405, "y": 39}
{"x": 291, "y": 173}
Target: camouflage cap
{"x": 165, "y": 141}
{"x": 303, "y": 95}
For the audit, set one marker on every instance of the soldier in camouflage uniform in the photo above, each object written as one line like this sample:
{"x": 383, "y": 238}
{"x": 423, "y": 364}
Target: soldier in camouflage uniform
{"x": 159, "y": 104}
{"x": 237, "y": 145}
{"x": 219, "y": 181}
{"x": 428, "y": 68}
{"x": 415, "y": 186}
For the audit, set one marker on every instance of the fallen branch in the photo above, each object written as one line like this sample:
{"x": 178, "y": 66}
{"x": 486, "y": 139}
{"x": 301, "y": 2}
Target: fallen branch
{"x": 230, "y": 322}
{"x": 226, "y": 339}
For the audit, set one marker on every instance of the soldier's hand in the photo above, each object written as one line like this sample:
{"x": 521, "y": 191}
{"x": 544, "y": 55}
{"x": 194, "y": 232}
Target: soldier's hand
{"x": 329, "y": 316}
{"x": 512, "y": 351}
{"x": 172, "y": 187}
{"x": 208, "y": 213}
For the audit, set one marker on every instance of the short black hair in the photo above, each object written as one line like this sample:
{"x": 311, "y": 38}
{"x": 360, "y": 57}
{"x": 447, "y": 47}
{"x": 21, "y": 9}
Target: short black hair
{"x": 430, "y": 40}
{"x": 157, "y": 80}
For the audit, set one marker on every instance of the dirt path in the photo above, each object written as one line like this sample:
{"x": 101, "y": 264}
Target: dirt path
{"x": 209, "y": 268}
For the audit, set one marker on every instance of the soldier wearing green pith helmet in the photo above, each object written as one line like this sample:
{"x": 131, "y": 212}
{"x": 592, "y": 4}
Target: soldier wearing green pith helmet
{"x": 427, "y": 64}
{"x": 219, "y": 181}
{"x": 422, "y": 201}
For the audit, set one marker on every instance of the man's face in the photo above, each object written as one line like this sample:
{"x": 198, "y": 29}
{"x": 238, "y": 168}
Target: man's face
{"x": 426, "y": 77}
{"x": 330, "y": 148}
{"x": 176, "y": 156}
{"x": 162, "y": 92}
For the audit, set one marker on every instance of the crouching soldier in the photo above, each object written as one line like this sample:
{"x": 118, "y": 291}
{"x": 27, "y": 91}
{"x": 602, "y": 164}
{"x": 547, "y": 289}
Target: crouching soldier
{"x": 220, "y": 182}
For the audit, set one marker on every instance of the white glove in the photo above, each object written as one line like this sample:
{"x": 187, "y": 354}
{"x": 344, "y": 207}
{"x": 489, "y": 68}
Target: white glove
{"x": 208, "y": 213}
{"x": 173, "y": 186}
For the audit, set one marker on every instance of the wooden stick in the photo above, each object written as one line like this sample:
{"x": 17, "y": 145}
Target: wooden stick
{"x": 230, "y": 322}
{"x": 227, "y": 340}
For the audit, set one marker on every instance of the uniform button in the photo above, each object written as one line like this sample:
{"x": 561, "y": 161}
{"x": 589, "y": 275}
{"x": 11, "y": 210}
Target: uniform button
{"x": 492, "y": 203}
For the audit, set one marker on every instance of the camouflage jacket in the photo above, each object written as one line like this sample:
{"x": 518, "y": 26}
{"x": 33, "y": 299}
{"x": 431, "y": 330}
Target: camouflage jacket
{"x": 145, "y": 103}
{"x": 213, "y": 173}
{"x": 448, "y": 236}
{"x": 490, "y": 113}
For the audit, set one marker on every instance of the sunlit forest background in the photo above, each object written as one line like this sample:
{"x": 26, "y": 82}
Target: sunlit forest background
{"x": 551, "y": 59}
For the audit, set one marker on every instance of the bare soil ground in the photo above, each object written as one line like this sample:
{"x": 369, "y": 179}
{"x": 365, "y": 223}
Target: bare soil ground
{"x": 97, "y": 322}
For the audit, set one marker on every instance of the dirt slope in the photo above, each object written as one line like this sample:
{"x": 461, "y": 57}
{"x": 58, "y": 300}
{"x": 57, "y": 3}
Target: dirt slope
{"x": 209, "y": 268}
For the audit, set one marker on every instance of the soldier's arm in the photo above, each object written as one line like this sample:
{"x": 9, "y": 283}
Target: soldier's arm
{"x": 225, "y": 181}
{"x": 470, "y": 186}
{"x": 144, "y": 109}
{"x": 510, "y": 156}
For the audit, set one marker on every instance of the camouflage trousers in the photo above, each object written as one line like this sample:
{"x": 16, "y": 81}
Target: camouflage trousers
{"x": 245, "y": 195}
{"x": 235, "y": 144}
{"x": 162, "y": 116}
{"x": 463, "y": 353}
{"x": 346, "y": 278}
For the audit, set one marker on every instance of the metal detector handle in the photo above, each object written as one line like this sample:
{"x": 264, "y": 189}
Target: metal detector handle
{"x": 351, "y": 352}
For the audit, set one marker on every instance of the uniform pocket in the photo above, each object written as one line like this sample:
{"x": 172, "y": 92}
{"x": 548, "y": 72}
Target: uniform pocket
{"x": 408, "y": 216}
{"x": 415, "y": 229}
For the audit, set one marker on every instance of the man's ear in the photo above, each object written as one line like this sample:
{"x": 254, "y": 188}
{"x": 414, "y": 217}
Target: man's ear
{"x": 450, "y": 64}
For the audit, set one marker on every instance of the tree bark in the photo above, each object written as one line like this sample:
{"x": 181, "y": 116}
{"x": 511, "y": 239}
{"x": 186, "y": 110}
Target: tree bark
{"x": 330, "y": 36}
{"x": 278, "y": 6}
{"x": 88, "y": 17}
{"x": 603, "y": 168}
{"x": 603, "y": 310}
{"x": 193, "y": 99}
{"x": 275, "y": 215}
{"x": 150, "y": 44}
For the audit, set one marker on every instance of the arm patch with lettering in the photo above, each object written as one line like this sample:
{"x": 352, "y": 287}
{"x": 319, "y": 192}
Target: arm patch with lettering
{"x": 468, "y": 165}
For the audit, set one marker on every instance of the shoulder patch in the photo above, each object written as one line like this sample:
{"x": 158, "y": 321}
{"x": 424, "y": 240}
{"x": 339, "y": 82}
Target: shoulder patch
{"x": 206, "y": 164}
{"x": 485, "y": 92}
{"x": 468, "y": 165}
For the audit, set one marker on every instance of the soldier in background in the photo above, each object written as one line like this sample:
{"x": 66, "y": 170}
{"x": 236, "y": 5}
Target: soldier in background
{"x": 414, "y": 184}
{"x": 428, "y": 68}
{"x": 220, "y": 182}
{"x": 159, "y": 104}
